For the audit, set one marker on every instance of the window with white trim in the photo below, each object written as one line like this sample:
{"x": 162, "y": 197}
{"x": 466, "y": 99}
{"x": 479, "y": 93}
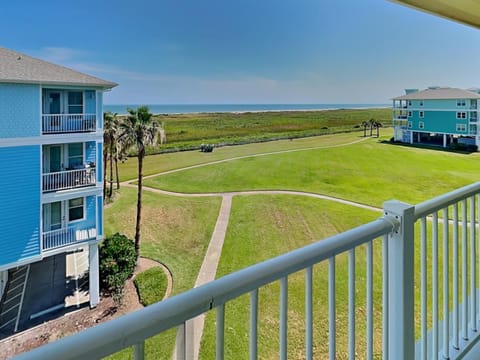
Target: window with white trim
{"x": 76, "y": 209}
{"x": 421, "y": 125}
{"x": 461, "y": 115}
{"x": 461, "y": 102}
{"x": 461, "y": 127}
{"x": 75, "y": 102}
{"x": 409, "y": 102}
{"x": 409, "y": 114}
{"x": 421, "y": 114}
{"x": 75, "y": 155}
{"x": 410, "y": 124}
{"x": 420, "y": 103}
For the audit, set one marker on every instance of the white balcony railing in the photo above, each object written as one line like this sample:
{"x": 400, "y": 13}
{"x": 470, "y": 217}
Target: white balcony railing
{"x": 62, "y": 237}
{"x": 68, "y": 123}
{"x": 68, "y": 179}
{"x": 414, "y": 246}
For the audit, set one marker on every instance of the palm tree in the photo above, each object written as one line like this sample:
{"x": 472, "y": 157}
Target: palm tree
{"x": 141, "y": 130}
{"x": 371, "y": 122}
{"x": 110, "y": 143}
{"x": 365, "y": 125}
{"x": 378, "y": 125}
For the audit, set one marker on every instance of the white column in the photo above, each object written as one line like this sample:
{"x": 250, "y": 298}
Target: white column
{"x": 411, "y": 137}
{"x": 94, "y": 280}
{"x": 444, "y": 140}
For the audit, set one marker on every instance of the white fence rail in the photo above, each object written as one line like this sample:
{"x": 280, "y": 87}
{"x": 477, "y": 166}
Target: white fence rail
{"x": 68, "y": 179}
{"x": 62, "y": 237}
{"x": 402, "y": 233}
{"x": 68, "y": 123}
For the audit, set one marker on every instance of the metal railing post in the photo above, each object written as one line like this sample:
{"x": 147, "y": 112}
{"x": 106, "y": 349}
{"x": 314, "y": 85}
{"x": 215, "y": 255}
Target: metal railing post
{"x": 401, "y": 327}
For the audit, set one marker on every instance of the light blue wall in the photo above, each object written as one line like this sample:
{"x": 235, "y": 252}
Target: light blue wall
{"x": 440, "y": 104}
{"x": 90, "y": 152}
{"x": 90, "y": 102}
{"x": 19, "y": 110}
{"x": 99, "y": 162}
{"x": 100, "y": 215}
{"x": 20, "y": 212}
{"x": 99, "y": 110}
{"x": 438, "y": 121}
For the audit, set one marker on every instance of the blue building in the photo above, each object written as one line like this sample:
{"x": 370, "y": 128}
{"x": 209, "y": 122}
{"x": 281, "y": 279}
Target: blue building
{"x": 52, "y": 219}
{"x": 437, "y": 115}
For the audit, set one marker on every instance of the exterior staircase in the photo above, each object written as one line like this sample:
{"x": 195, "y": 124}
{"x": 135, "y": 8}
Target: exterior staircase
{"x": 12, "y": 300}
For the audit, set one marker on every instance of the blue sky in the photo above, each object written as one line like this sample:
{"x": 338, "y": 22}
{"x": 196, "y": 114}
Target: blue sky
{"x": 246, "y": 51}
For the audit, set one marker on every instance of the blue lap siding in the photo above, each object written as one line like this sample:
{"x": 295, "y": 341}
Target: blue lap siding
{"x": 20, "y": 213}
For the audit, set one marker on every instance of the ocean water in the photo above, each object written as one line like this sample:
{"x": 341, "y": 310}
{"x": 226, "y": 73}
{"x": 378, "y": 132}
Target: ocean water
{"x": 212, "y": 108}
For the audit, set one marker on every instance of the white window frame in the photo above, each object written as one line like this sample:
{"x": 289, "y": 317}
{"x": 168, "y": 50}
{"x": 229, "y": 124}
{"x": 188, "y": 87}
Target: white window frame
{"x": 461, "y": 114}
{"x": 461, "y": 102}
{"x": 83, "y": 210}
{"x": 409, "y": 114}
{"x": 420, "y": 103}
{"x": 410, "y": 124}
{"x": 421, "y": 125}
{"x": 461, "y": 128}
{"x": 409, "y": 102}
{"x": 421, "y": 114}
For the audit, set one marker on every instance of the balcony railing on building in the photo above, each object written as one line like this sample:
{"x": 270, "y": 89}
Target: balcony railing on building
{"x": 409, "y": 280}
{"x": 68, "y": 179}
{"x": 63, "y": 237}
{"x": 68, "y": 123}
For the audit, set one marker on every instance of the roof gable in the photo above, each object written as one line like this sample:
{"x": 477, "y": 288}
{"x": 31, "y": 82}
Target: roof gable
{"x": 439, "y": 94}
{"x": 19, "y": 68}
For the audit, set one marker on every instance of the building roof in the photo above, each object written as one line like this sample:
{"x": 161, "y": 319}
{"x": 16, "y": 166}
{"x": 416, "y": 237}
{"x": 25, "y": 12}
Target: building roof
{"x": 19, "y": 68}
{"x": 463, "y": 11}
{"x": 439, "y": 94}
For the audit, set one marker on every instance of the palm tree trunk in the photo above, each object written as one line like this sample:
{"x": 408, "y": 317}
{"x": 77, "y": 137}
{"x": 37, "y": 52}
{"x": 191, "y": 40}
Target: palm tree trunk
{"x": 111, "y": 167}
{"x": 141, "y": 155}
{"x": 105, "y": 158}
{"x": 116, "y": 171}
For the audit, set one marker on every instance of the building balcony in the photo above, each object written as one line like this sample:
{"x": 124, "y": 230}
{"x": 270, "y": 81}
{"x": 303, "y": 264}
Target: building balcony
{"x": 68, "y": 123}
{"x": 63, "y": 237}
{"x": 410, "y": 279}
{"x": 69, "y": 179}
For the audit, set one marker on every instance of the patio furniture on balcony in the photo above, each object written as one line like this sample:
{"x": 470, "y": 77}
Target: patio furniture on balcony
{"x": 69, "y": 179}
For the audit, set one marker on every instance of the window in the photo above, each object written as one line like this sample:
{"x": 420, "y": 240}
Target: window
{"x": 75, "y": 155}
{"x": 461, "y": 127}
{"x": 75, "y": 102}
{"x": 420, "y": 103}
{"x": 421, "y": 125}
{"x": 461, "y": 115}
{"x": 409, "y": 102}
{"x": 420, "y": 114}
{"x": 75, "y": 209}
{"x": 410, "y": 124}
{"x": 409, "y": 114}
{"x": 461, "y": 102}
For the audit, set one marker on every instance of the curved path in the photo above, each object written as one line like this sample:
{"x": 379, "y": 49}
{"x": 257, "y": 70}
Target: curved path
{"x": 209, "y": 266}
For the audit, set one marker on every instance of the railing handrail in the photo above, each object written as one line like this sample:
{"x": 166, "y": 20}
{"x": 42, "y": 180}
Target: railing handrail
{"x": 174, "y": 311}
{"x": 440, "y": 202}
{"x": 81, "y": 114}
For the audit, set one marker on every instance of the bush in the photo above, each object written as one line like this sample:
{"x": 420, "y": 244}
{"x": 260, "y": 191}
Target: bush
{"x": 151, "y": 285}
{"x": 117, "y": 262}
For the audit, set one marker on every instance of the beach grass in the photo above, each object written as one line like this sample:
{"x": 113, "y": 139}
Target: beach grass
{"x": 187, "y": 131}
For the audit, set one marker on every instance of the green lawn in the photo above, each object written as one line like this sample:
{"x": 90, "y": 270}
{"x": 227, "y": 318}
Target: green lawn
{"x": 265, "y": 226}
{"x": 369, "y": 172}
{"x": 176, "y": 231}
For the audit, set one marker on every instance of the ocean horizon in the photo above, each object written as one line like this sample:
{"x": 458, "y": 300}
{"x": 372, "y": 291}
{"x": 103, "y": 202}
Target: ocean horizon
{"x": 216, "y": 108}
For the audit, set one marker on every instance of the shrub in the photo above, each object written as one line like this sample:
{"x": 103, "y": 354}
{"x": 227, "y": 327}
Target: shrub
{"x": 117, "y": 262}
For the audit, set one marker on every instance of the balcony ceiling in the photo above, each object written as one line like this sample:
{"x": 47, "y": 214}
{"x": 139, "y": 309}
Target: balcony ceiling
{"x": 463, "y": 11}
